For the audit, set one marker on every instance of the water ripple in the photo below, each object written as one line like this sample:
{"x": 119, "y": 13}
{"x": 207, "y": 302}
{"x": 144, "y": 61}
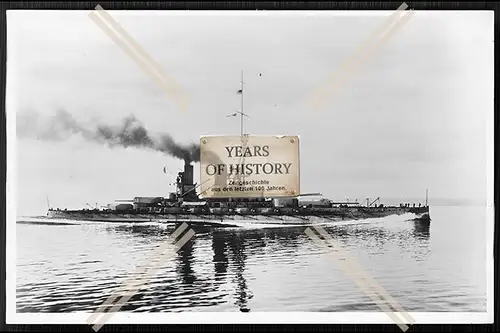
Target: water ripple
{"x": 76, "y": 268}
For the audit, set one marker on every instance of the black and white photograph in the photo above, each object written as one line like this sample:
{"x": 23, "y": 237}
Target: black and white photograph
{"x": 249, "y": 166}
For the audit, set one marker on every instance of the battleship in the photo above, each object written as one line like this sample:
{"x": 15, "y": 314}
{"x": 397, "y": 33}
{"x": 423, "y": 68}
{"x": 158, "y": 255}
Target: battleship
{"x": 186, "y": 204}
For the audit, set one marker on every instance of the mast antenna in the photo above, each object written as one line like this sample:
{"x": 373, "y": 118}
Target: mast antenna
{"x": 426, "y": 197}
{"x": 240, "y": 112}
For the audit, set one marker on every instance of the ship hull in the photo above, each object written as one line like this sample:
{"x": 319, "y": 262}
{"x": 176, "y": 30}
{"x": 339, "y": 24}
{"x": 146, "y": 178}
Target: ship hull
{"x": 309, "y": 217}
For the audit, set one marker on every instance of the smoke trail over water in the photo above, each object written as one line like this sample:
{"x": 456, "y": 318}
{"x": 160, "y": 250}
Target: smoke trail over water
{"x": 131, "y": 133}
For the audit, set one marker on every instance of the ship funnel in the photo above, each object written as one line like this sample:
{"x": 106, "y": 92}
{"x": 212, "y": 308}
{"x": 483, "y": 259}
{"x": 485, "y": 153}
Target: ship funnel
{"x": 188, "y": 173}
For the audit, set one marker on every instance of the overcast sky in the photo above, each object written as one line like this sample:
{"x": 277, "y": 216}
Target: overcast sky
{"x": 413, "y": 117}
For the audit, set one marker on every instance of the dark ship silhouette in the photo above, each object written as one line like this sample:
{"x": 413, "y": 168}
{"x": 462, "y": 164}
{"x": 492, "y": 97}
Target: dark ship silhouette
{"x": 185, "y": 205}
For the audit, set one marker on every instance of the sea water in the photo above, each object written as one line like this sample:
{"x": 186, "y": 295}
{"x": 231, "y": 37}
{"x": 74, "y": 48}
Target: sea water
{"x": 426, "y": 268}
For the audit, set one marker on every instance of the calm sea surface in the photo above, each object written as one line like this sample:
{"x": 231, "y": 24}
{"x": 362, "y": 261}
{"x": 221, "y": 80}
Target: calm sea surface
{"x": 74, "y": 268}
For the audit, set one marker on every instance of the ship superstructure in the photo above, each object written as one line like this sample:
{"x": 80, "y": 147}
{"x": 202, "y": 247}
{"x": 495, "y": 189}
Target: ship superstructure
{"x": 185, "y": 204}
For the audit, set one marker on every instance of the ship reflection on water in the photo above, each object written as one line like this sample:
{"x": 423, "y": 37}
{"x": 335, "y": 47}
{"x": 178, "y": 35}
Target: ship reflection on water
{"x": 421, "y": 230}
{"x": 237, "y": 251}
{"x": 219, "y": 269}
{"x": 68, "y": 268}
{"x": 211, "y": 269}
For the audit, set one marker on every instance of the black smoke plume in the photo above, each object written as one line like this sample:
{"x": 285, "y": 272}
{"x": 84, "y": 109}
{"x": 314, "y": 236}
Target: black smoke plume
{"x": 131, "y": 133}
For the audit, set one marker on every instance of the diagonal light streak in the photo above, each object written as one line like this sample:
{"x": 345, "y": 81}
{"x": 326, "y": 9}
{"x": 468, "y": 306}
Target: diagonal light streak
{"x": 139, "y": 56}
{"x": 139, "y": 49}
{"x": 152, "y": 68}
{"x": 127, "y": 297}
{"x": 355, "y": 61}
{"x": 361, "y": 279}
{"x": 138, "y": 270}
{"x": 380, "y": 29}
{"x": 140, "y": 277}
{"x": 365, "y": 43}
{"x": 369, "y": 279}
{"x": 359, "y": 62}
{"x": 358, "y": 281}
{"x": 141, "y": 281}
{"x": 347, "y": 70}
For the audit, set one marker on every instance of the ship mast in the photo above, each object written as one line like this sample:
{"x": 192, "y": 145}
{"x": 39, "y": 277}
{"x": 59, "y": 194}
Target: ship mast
{"x": 240, "y": 112}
